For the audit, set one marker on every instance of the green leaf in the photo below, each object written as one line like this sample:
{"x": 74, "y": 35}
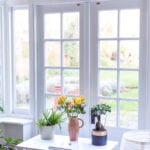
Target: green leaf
{"x": 51, "y": 117}
{"x": 1, "y": 109}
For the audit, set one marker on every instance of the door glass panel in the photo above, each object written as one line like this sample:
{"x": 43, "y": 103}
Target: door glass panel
{"x": 128, "y": 114}
{"x": 71, "y": 54}
{"x": 108, "y": 24}
{"x": 71, "y": 25}
{"x": 111, "y": 117}
{"x": 71, "y": 82}
{"x": 52, "y": 54}
{"x": 52, "y": 26}
{"x": 130, "y": 23}
{"x": 107, "y": 83}
{"x": 51, "y": 101}
{"x": 128, "y": 84}
{"x": 129, "y": 54}
{"x": 53, "y": 81}
{"x": 108, "y": 54}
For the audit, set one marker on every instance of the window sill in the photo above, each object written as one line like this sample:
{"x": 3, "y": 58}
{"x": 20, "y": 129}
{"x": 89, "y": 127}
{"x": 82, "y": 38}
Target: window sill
{"x": 11, "y": 120}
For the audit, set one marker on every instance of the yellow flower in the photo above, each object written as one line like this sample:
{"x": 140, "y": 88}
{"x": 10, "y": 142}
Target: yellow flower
{"x": 69, "y": 104}
{"x": 82, "y": 98}
{"x": 61, "y": 99}
{"x": 78, "y": 100}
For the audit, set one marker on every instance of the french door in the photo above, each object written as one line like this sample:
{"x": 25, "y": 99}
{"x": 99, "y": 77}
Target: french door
{"x": 116, "y": 46}
{"x": 60, "y": 53}
{"x": 98, "y": 59}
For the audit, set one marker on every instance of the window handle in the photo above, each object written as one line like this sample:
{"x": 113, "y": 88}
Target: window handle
{"x": 78, "y": 4}
{"x": 98, "y": 3}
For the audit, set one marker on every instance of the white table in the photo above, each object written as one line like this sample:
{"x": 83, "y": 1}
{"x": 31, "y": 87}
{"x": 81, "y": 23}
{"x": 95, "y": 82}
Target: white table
{"x": 63, "y": 142}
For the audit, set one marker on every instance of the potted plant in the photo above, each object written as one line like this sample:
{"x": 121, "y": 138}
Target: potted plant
{"x": 99, "y": 134}
{"x": 48, "y": 121}
{"x": 73, "y": 107}
{"x": 9, "y": 143}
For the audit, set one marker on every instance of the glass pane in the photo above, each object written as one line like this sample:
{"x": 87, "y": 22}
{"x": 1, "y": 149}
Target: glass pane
{"x": 71, "y": 54}
{"x": 129, "y": 23}
{"x": 107, "y": 83}
{"x": 53, "y": 81}
{"x": 129, "y": 54}
{"x": 108, "y": 24}
{"x": 71, "y": 25}
{"x": 52, "y": 54}
{"x": 52, "y": 26}
{"x": 21, "y": 47}
{"x": 51, "y": 101}
{"x": 128, "y": 84}
{"x": 111, "y": 117}
{"x": 129, "y": 114}
{"x": 71, "y": 82}
{"x": 108, "y": 54}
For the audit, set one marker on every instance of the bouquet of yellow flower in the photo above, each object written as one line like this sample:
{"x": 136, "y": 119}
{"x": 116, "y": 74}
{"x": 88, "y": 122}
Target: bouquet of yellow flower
{"x": 72, "y": 106}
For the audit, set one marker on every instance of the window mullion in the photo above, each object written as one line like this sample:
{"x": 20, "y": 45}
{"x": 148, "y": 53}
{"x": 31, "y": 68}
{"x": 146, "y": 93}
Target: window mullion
{"x": 118, "y": 71}
{"x": 62, "y": 52}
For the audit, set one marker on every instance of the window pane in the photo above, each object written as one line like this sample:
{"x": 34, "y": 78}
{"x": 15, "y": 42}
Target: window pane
{"x": 71, "y": 82}
{"x": 107, "y": 83}
{"x": 108, "y": 54}
{"x": 108, "y": 24}
{"x": 21, "y": 48}
{"x": 71, "y": 25}
{"x": 128, "y": 84}
{"x": 51, "y": 101}
{"x": 129, "y": 23}
{"x": 111, "y": 117}
{"x": 53, "y": 81}
{"x": 129, "y": 54}
{"x": 128, "y": 114}
{"x": 52, "y": 26}
{"x": 71, "y": 54}
{"x": 52, "y": 53}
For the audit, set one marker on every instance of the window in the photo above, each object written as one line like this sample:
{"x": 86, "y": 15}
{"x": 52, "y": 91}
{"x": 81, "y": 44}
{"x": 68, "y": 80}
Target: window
{"x": 61, "y": 54}
{"x": 21, "y": 73}
{"x": 118, "y": 64}
{"x": 85, "y": 49}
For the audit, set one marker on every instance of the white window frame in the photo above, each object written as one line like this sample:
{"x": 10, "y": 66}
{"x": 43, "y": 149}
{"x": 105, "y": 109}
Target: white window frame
{"x": 14, "y": 111}
{"x": 108, "y": 5}
{"x": 83, "y": 52}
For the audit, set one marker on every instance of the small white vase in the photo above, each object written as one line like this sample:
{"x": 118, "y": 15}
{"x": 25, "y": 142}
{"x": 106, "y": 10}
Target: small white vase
{"x": 47, "y": 132}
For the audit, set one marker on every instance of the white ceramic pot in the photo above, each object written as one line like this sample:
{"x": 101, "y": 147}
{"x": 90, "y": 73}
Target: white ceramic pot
{"x": 47, "y": 132}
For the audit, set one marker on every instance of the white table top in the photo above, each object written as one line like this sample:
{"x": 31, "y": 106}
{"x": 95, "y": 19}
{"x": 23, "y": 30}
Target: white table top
{"x": 135, "y": 140}
{"x": 139, "y": 136}
{"x": 63, "y": 142}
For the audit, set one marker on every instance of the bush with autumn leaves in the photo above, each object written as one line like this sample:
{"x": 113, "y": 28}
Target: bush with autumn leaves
{"x": 72, "y": 106}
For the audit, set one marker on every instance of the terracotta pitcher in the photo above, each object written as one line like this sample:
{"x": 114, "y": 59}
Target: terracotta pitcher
{"x": 73, "y": 128}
